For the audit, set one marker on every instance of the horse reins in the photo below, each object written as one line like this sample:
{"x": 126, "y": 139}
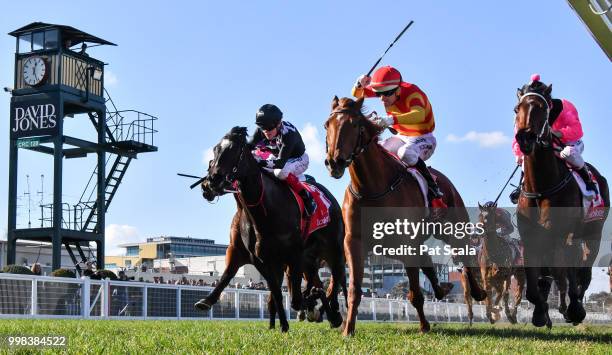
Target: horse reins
{"x": 360, "y": 148}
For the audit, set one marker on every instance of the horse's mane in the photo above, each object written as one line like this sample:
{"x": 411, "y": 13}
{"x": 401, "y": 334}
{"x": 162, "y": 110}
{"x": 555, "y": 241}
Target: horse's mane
{"x": 350, "y": 105}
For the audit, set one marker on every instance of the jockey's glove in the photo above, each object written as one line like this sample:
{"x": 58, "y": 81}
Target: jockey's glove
{"x": 382, "y": 121}
{"x": 362, "y": 81}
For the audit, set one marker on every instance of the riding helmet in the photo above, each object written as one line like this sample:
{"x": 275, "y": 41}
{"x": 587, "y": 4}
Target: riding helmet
{"x": 385, "y": 79}
{"x": 268, "y": 116}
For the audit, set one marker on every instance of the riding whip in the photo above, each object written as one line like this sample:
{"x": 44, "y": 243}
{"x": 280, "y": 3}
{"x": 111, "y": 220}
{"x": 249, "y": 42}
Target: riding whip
{"x": 200, "y": 179}
{"x": 391, "y": 45}
{"x": 506, "y": 184}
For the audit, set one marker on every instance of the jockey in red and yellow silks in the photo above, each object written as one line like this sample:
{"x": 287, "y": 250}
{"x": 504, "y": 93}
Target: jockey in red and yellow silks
{"x": 410, "y": 114}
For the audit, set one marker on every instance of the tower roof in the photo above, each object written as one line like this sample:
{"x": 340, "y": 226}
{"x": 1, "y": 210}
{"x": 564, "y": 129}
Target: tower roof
{"x": 76, "y": 36}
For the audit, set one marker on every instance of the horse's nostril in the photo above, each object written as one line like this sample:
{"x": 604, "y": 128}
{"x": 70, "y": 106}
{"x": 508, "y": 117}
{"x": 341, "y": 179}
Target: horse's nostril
{"x": 341, "y": 162}
{"x": 326, "y": 162}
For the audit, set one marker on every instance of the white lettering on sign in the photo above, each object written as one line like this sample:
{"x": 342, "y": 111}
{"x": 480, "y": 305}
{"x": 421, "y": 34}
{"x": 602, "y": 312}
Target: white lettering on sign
{"x": 34, "y": 117}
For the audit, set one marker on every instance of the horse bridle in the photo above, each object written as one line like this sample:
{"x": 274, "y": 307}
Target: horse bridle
{"x": 359, "y": 147}
{"x": 544, "y": 139}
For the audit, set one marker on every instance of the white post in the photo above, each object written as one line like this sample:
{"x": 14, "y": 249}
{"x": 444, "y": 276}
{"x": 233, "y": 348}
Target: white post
{"x": 288, "y": 307}
{"x": 145, "y": 298}
{"x": 34, "y": 304}
{"x": 447, "y": 311}
{"x": 406, "y": 310}
{"x": 237, "y": 304}
{"x": 459, "y": 311}
{"x": 373, "y": 308}
{"x": 85, "y": 297}
{"x": 178, "y": 302}
{"x": 261, "y": 309}
{"x": 105, "y": 298}
{"x": 390, "y": 311}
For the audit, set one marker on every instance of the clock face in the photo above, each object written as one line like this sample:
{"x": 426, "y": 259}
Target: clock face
{"x": 34, "y": 70}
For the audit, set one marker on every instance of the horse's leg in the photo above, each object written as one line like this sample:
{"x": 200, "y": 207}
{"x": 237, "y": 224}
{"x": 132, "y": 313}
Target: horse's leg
{"x": 519, "y": 276}
{"x": 416, "y": 297}
{"x": 486, "y": 281}
{"x": 561, "y": 281}
{"x": 440, "y": 289}
{"x": 575, "y": 310}
{"x": 273, "y": 275}
{"x": 233, "y": 261}
{"x": 467, "y": 295}
{"x": 584, "y": 276}
{"x": 540, "y": 311}
{"x": 337, "y": 281}
{"x": 295, "y": 281}
{"x": 313, "y": 283}
{"x": 354, "y": 258}
{"x": 272, "y": 311}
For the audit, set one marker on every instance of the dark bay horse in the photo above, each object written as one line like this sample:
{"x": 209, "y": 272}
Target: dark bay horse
{"x": 265, "y": 231}
{"x": 550, "y": 213}
{"x": 379, "y": 180}
{"x": 497, "y": 266}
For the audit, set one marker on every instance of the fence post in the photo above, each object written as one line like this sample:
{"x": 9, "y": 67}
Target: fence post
{"x": 288, "y": 307}
{"x": 373, "y": 308}
{"x": 85, "y": 297}
{"x": 447, "y": 311}
{"x": 145, "y": 298}
{"x": 105, "y": 298}
{"x": 390, "y": 311}
{"x": 406, "y": 310}
{"x": 459, "y": 311}
{"x": 261, "y": 310}
{"x": 34, "y": 304}
{"x": 237, "y": 304}
{"x": 178, "y": 302}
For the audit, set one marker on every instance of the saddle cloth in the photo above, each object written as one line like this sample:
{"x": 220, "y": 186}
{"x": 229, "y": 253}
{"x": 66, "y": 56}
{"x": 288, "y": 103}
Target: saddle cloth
{"x": 321, "y": 216}
{"x": 593, "y": 207}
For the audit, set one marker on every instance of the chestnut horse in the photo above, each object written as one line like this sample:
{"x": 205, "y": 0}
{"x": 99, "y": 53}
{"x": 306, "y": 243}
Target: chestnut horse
{"x": 265, "y": 231}
{"x": 550, "y": 213}
{"x": 497, "y": 266}
{"x": 379, "y": 180}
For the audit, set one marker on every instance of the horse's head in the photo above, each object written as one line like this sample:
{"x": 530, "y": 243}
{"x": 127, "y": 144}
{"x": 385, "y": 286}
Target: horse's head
{"x": 532, "y": 113}
{"x": 348, "y": 133}
{"x": 487, "y": 216}
{"x": 228, "y": 163}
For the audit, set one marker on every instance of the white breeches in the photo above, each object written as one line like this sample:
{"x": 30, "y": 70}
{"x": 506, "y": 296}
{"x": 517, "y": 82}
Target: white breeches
{"x": 410, "y": 149}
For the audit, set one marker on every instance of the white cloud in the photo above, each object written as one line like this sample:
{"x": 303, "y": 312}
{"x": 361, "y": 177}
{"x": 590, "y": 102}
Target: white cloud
{"x": 484, "y": 139}
{"x": 207, "y": 156}
{"x": 110, "y": 79}
{"x": 314, "y": 146}
{"x": 118, "y": 234}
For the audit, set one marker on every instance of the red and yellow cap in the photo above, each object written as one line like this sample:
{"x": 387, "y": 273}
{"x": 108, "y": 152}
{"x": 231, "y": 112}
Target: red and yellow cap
{"x": 385, "y": 79}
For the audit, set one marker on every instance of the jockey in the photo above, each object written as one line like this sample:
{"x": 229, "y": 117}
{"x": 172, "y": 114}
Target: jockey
{"x": 410, "y": 114}
{"x": 287, "y": 159}
{"x": 566, "y": 126}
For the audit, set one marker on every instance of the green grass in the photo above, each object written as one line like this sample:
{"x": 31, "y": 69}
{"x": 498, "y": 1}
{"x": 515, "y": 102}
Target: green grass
{"x": 119, "y": 336}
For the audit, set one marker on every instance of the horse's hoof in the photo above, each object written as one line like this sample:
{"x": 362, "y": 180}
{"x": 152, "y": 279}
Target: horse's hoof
{"x": 549, "y": 324}
{"x": 313, "y": 316}
{"x": 540, "y": 316}
{"x": 301, "y": 315}
{"x": 425, "y": 327}
{"x": 335, "y": 319}
{"x": 285, "y": 328}
{"x": 203, "y": 305}
{"x": 576, "y": 312}
{"x": 444, "y": 289}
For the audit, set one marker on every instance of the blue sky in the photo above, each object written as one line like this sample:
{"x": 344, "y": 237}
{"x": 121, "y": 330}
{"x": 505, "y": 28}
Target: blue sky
{"x": 204, "y": 67}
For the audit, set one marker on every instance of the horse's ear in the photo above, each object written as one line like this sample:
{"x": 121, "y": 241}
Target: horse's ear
{"x": 359, "y": 103}
{"x": 548, "y": 90}
{"x": 479, "y": 206}
{"x": 519, "y": 93}
{"x": 335, "y": 102}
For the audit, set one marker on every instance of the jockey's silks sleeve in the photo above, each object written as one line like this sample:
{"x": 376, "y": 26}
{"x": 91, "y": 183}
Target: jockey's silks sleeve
{"x": 288, "y": 144}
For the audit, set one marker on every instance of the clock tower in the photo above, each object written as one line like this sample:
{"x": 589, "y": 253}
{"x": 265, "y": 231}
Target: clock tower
{"x": 56, "y": 78}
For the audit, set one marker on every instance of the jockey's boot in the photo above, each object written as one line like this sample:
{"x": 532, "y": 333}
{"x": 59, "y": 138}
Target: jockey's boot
{"x": 516, "y": 193}
{"x": 310, "y": 205}
{"x": 434, "y": 194}
{"x": 586, "y": 177}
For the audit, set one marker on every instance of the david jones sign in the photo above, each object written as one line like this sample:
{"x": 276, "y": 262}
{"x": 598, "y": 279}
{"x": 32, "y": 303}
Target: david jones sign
{"x": 29, "y": 120}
